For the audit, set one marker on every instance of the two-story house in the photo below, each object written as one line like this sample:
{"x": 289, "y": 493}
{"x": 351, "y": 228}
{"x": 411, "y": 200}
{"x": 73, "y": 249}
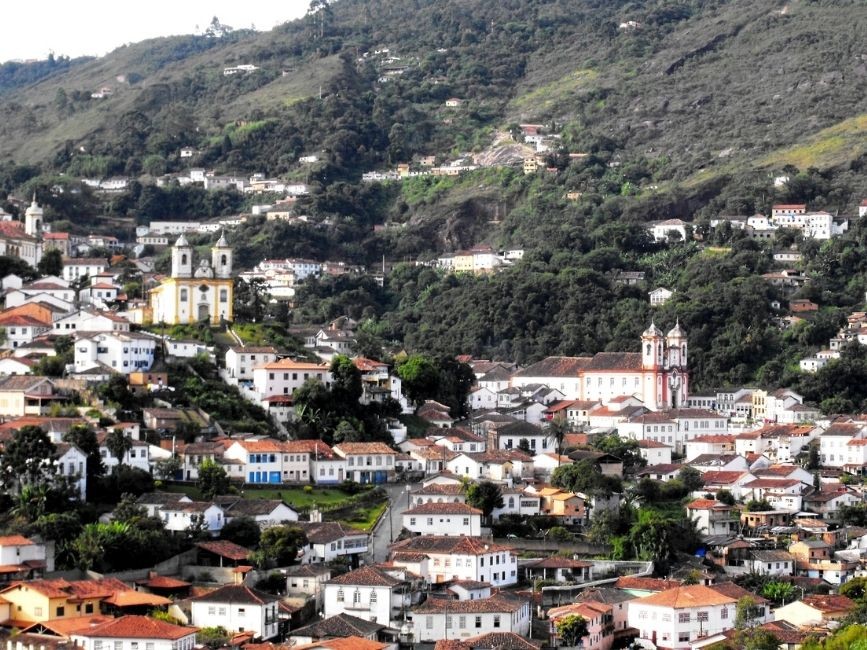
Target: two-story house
{"x": 444, "y": 618}
{"x": 135, "y": 632}
{"x": 367, "y": 462}
{"x": 372, "y": 593}
{"x": 240, "y": 361}
{"x": 447, "y": 518}
{"x": 237, "y": 608}
{"x": 442, "y": 558}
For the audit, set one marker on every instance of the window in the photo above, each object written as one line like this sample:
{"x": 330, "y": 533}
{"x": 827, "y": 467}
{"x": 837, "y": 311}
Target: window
{"x": 448, "y": 622}
{"x": 212, "y": 610}
{"x": 61, "y": 611}
{"x": 224, "y": 295}
{"x": 466, "y": 521}
{"x": 36, "y": 610}
{"x": 88, "y": 608}
{"x": 702, "y": 617}
{"x": 683, "y": 618}
{"x": 356, "y": 597}
{"x": 724, "y": 613}
{"x": 683, "y": 637}
{"x": 478, "y": 621}
{"x": 428, "y": 622}
{"x": 340, "y": 595}
{"x": 412, "y": 521}
{"x": 97, "y": 644}
{"x": 221, "y": 611}
{"x": 462, "y": 622}
{"x": 241, "y": 611}
{"x": 372, "y": 597}
{"x": 496, "y": 621}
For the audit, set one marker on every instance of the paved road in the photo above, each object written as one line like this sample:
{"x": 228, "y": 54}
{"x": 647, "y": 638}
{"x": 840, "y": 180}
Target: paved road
{"x": 386, "y": 531}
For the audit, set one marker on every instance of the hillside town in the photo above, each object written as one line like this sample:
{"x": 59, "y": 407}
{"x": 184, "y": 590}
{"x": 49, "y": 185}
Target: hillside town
{"x": 505, "y": 521}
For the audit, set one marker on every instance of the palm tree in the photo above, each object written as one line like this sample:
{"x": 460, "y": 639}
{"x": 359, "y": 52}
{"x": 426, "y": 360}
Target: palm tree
{"x": 118, "y": 444}
{"x": 556, "y": 432}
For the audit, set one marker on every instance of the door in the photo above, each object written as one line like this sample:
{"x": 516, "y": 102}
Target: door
{"x": 274, "y": 477}
{"x": 204, "y": 312}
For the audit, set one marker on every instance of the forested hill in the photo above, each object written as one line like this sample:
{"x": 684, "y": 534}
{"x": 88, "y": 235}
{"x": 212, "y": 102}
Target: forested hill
{"x": 690, "y": 86}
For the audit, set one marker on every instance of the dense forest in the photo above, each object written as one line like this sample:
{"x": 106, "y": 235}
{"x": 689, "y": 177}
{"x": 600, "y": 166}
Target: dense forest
{"x": 684, "y": 109}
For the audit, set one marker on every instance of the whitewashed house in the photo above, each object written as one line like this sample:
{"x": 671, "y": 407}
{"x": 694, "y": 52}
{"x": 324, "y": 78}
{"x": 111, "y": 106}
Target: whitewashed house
{"x": 443, "y": 519}
{"x": 237, "y": 608}
{"x": 134, "y": 633}
{"x": 441, "y": 618}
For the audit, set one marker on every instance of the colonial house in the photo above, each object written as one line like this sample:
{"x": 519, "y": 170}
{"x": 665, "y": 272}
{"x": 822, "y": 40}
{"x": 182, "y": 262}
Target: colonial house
{"x": 816, "y": 610}
{"x": 44, "y": 600}
{"x": 181, "y": 516}
{"x": 367, "y": 462}
{"x": 237, "y": 608}
{"x": 330, "y": 540}
{"x": 285, "y": 376}
{"x": 443, "y": 618}
{"x": 441, "y": 559}
{"x": 713, "y": 517}
{"x": 600, "y": 624}
{"x": 22, "y": 558}
{"x": 654, "y": 452}
{"x": 132, "y": 632}
{"x": 374, "y": 593}
{"x": 443, "y": 519}
{"x": 240, "y": 361}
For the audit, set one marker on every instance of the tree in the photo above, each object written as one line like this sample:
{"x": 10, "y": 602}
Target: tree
{"x": 758, "y": 506}
{"x": 420, "y": 378}
{"x": 691, "y": 478}
{"x": 571, "y": 629}
{"x": 28, "y": 458}
{"x": 856, "y": 589}
{"x": 84, "y": 437}
{"x": 212, "y": 637}
{"x": 213, "y": 479}
{"x": 244, "y": 531}
{"x": 779, "y": 592}
{"x": 486, "y": 496}
{"x": 346, "y": 386}
{"x": 51, "y": 263}
{"x": 116, "y": 391}
{"x": 128, "y": 510}
{"x": 556, "y": 431}
{"x": 626, "y": 450}
{"x": 586, "y": 477}
{"x": 118, "y": 444}
{"x": 726, "y": 497}
{"x": 279, "y": 545}
{"x": 167, "y": 468}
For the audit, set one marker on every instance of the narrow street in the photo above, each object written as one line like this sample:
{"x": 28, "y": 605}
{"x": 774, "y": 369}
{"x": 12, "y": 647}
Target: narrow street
{"x": 391, "y": 523}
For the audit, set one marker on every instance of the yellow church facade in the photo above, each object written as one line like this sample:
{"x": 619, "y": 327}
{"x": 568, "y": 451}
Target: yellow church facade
{"x": 192, "y": 295}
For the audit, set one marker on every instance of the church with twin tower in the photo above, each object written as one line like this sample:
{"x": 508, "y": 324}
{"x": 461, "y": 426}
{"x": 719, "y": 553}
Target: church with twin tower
{"x": 195, "y": 293}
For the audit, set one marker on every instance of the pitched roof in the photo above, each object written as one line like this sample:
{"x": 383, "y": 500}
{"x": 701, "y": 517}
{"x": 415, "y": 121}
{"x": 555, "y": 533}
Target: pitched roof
{"x": 829, "y": 603}
{"x": 225, "y": 548}
{"x": 500, "y": 641}
{"x": 347, "y": 643}
{"x": 445, "y": 508}
{"x": 687, "y": 596}
{"x": 440, "y": 545}
{"x": 732, "y": 590}
{"x": 137, "y": 627}
{"x": 366, "y": 576}
{"x": 341, "y": 625}
{"x": 15, "y": 540}
{"x": 364, "y": 448}
{"x": 644, "y": 584}
{"x": 555, "y": 367}
{"x": 500, "y": 602}
{"x": 327, "y": 531}
{"x": 236, "y": 594}
{"x": 606, "y": 361}
{"x": 722, "y": 478}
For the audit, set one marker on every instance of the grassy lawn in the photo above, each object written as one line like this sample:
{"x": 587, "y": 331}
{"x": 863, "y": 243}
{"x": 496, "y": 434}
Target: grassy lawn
{"x": 364, "y": 518}
{"x": 294, "y": 496}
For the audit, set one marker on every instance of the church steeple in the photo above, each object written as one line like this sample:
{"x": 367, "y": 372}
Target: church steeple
{"x": 221, "y": 257}
{"x": 33, "y": 219}
{"x": 182, "y": 258}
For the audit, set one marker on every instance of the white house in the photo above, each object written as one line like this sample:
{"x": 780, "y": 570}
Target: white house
{"x": 90, "y": 321}
{"x": 240, "y": 361}
{"x": 713, "y": 517}
{"x": 444, "y": 618}
{"x": 133, "y": 633}
{"x": 655, "y": 453}
{"x": 21, "y": 329}
{"x": 237, "y": 608}
{"x": 372, "y": 593}
{"x": 285, "y": 376}
{"x": 674, "y": 618}
{"x": 662, "y": 230}
{"x": 331, "y": 540}
{"x": 75, "y": 268}
{"x": 441, "y": 558}
{"x": 123, "y": 352}
{"x": 180, "y": 516}
{"x": 660, "y": 296}
{"x": 25, "y": 555}
{"x": 443, "y": 519}
{"x": 367, "y": 462}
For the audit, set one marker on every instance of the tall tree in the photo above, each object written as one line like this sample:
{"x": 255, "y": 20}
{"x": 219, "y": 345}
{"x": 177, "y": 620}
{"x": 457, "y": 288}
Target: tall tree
{"x": 279, "y": 545}
{"x": 84, "y": 437}
{"x": 213, "y": 479}
{"x": 420, "y": 378}
{"x": 571, "y": 629}
{"x": 28, "y": 458}
{"x": 556, "y": 431}
{"x": 486, "y": 496}
{"x": 118, "y": 444}
{"x": 51, "y": 263}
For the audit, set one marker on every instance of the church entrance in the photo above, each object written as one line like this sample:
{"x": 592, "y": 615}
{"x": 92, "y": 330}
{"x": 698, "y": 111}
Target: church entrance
{"x": 204, "y": 312}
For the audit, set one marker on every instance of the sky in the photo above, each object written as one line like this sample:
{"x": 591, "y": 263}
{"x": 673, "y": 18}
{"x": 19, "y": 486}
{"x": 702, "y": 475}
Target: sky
{"x": 94, "y": 27}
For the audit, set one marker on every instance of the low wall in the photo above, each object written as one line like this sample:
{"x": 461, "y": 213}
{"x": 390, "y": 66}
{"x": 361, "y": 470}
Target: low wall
{"x": 552, "y": 546}
{"x": 554, "y": 596}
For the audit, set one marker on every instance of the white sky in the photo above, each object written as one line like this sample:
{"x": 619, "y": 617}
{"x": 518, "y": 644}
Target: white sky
{"x": 94, "y": 27}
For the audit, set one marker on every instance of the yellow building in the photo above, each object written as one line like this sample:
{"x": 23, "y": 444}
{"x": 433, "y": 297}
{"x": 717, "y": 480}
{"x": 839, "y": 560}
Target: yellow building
{"x": 46, "y": 600}
{"x": 190, "y": 296}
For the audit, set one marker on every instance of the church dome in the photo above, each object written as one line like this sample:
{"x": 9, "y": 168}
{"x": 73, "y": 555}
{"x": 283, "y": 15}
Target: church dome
{"x": 653, "y": 330}
{"x": 182, "y": 241}
{"x": 676, "y": 332}
{"x": 222, "y": 242}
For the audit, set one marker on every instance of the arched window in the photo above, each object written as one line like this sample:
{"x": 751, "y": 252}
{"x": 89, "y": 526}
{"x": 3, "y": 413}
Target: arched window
{"x": 372, "y": 596}
{"x": 184, "y": 295}
{"x": 224, "y": 295}
{"x": 224, "y": 260}
{"x": 648, "y": 350}
{"x": 184, "y": 258}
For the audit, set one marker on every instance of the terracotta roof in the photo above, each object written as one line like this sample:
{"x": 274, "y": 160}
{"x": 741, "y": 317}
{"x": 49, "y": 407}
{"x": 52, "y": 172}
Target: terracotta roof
{"x": 499, "y": 641}
{"x": 652, "y": 444}
{"x": 347, "y": 643}
{"x": 327, "y": 531}
{"x": 606, "y": 361}
{"x": 291, "y": 364}
{"x": 236, "y": 594}
{"x": 663, "y": 468}
{"x": 226, "y": 549}
{"x": 644, "y": 584}
{"x": 163, "y": 582}
{"x": 364, "y": 448}
{"x": 722, "y": 478}
{"x": 843, "y": 429}
{"x": 707, "y": 504}
{"x": 445, "y": 508}
{"x": 732, "y": 590}
{"x": 136, "y": 599}
{"x": 500, "y": 602}
{"x": 687, "y": 596}
{"x": 440, "y": 545}
{"x": 341, "y": 625}
{"x": 137, "y": 627}
{"x": 366, "y": 576}
{"x": 556, "y": 562}
{"x": 588, "y": 609}
{"x": 440, "y": 489}
{"x": 555, "y": 367}
{"x": 713, "y": 438}
{"x": 829, "y": 603}
{"x": 772, "y": 483}
{"x": 15, "y": 540}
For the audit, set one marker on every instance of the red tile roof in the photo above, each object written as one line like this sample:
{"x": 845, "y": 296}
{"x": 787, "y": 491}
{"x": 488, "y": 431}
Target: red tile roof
{"x": 445, "y": 508}
{"x": 137, "y": 627}
{"x": 225, "y": 548}
{"x": 721, "y": 478}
